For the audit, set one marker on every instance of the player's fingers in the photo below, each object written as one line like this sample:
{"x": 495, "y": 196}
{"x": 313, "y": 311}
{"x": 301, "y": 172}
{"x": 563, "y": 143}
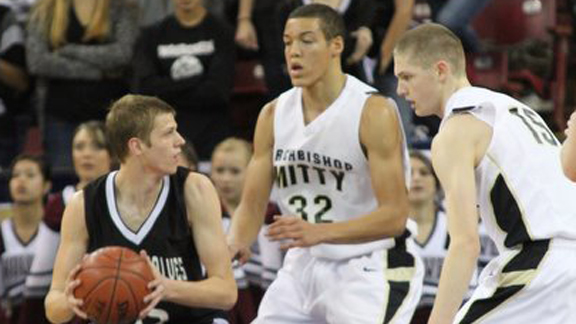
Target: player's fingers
{"x": 79, "y": 312}
{"x": 244, "y": 256}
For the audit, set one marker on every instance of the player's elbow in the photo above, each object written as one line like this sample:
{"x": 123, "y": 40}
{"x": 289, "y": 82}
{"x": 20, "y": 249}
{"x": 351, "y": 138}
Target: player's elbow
{"x": 54, "y": 312}
{"x": 229, "y": 297}
{"x": 398, "y": 226}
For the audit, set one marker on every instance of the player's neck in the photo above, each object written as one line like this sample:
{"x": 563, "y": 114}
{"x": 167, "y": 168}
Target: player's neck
{"x": 27, "y": 215}
{"x": 450, "y": 89}
{"x": 425, "y": 217}
{"x": 190, "y": 18}
{"x": 230, "y": 205}
{"x": 424, "y": 212}
{"x": 137, "y": 185}
{"x": 319, "y": 96}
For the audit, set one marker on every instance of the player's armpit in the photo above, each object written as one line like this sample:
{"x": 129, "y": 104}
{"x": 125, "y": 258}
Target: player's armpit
{"x": 73, "y": 246}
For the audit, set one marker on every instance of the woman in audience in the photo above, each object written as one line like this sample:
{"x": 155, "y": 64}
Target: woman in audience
{"x": 80, "y": 50}
{"x": 91, "y": 157}
{"x": 229, "y": 163}
{"x": 22, "y": 234}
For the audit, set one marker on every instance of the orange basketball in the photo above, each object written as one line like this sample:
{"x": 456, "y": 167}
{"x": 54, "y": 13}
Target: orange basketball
{"x": 113, "y": 285}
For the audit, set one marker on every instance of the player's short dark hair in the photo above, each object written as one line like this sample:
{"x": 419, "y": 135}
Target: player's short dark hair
{"x": 133, "y": 116}
{"x": 331, "y": 23}
{"x": 43, "y": 165}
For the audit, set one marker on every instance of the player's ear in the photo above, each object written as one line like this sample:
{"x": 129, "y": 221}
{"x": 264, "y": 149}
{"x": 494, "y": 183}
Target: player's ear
{"x": 135, "y": 146}
{"x": 442, "y": 70}
{"x": 337, "y": 45}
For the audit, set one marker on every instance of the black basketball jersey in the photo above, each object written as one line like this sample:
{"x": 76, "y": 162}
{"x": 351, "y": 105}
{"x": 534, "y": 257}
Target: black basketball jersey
{"x": 165, "y": 235}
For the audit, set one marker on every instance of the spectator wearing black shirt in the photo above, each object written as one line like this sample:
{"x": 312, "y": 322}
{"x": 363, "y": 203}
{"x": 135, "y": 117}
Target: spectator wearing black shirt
{"x": 13, "y": 83}
{"x": 188, "y": 60}
{"x": 81, "y": 48}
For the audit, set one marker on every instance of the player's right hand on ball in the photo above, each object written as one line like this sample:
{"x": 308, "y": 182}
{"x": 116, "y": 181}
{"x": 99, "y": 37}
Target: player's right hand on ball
{"x": 156, "y": 286}
{"x": 71, "y": 284}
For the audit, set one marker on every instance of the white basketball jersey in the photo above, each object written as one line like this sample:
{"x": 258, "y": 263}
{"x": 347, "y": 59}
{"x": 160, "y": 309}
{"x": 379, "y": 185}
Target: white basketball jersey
{"x": 16, "y": 260}
{"x": 521, "y": 190}
{"x": 40, "y": 277}
{"x": 321, "y": 170}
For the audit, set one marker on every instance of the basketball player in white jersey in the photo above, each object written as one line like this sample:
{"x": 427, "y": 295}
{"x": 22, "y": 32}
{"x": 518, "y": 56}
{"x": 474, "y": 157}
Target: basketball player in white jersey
{"x": 336, "y": 155}
{"x": 569, "y": 149}
{"x": 495, "y": 157}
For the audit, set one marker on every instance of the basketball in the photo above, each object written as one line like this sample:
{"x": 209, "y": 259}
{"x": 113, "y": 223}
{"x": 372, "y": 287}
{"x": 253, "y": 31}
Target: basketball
{"x": 113, "y": 285}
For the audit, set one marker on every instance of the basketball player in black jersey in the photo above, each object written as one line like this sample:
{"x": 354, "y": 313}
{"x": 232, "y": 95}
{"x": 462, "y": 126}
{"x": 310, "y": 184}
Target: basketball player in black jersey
{"x": 150, "y": 204}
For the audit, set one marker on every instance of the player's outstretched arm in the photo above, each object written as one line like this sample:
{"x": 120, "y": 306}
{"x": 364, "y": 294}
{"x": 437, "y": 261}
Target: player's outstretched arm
{"x": 568, "y": 156}
{"x": 60, "y": 303}
{"x": 456, "y": 151}
{"x": 249, "y": 215}
{"x": 219, "y": 289}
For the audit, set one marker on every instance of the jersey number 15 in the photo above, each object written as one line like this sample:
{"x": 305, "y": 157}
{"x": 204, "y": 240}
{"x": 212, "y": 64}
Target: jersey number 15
{"x": 536, "y": 125}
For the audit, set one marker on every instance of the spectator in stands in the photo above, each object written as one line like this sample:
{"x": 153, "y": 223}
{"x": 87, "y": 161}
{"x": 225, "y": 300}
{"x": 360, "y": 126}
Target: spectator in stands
{"x": 229, "y": 164}
{"x": 21, "y": 9}
{"x": 14, "y": 84}
{"x": 432, "y": 241}
{"x": 188, "y": 61}
{"x": 568, "y": 157}
{"x": 81, "y": 48}
{"x": 92, "y": 158}
{"x": 21, "y": 235}
{"x": 457, "y": 15}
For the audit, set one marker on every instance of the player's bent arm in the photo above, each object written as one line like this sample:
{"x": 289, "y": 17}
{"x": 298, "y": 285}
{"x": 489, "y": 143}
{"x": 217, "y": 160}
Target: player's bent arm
{"x": 73, "y": 246}
{"x": 456, "y": 151}
{"x": 249, "y": 215}
{"x": 219, "y": 289}
{"x": 381, "y": 136}
{"x": 568, "y": 154}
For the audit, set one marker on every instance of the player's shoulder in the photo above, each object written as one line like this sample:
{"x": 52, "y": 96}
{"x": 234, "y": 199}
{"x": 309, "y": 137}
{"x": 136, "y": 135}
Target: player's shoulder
{"x": 197, "y": 184}
{"x": 379, "y": 105}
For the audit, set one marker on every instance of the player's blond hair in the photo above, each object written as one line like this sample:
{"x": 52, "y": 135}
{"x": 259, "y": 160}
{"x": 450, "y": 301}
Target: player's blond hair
{"x": 233, "y": 145}
{"x": 133, "y": 116}
{"x": 429, "y": 43}
{"x": 52, "y": 17}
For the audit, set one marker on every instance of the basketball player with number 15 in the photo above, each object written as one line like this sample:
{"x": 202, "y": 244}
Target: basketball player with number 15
{"x": 494, "y": 156}
{"x": 150, "y": 204}
{"x": 336, "y": 153}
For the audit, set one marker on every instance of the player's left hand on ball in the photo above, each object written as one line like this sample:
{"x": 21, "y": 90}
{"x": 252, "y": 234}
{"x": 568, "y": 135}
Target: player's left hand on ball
{"x": 156, "y": 286}
{"x": 71, "y": 284}
{"x": 295, "y": 231}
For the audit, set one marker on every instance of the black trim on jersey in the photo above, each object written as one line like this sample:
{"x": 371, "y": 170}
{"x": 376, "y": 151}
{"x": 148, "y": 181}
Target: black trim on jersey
{"x": 481, "y": 307}
{"x": 431, "y": 234}
{"x": 508, "y": 214}
{"x": 398, "y": 257}
{"x": 528, "y": 258}
{"x": 463, "y": 109}
{"x": 398, "y": 293}
{"x": 24, "y": 244}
